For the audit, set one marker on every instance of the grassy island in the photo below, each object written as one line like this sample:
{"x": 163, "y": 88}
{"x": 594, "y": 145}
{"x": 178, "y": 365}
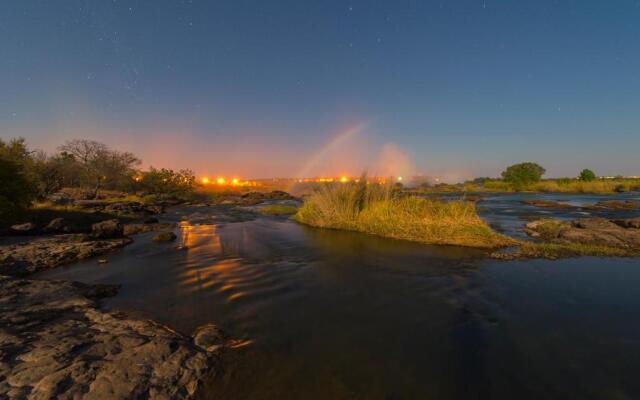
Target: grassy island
{"x": 379, "y": 210}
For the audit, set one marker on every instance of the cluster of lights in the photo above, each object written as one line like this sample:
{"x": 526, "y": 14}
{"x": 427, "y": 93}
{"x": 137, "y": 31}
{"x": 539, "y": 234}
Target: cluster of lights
{"x": 222, "y": 181}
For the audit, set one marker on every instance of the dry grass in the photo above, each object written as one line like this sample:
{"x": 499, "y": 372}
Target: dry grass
{"x": 545, "y": 186}
{"x": 375, "y": 209}
{"x": 278, "y": 209}
{"x": 554, "y": 251}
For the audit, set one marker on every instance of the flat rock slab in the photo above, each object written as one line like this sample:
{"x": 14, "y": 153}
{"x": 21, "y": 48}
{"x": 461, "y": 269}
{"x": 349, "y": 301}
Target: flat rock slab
{"x": 25, "y": 258}
{"x": 623, "y": 233}
{"x": 55, "y": 343}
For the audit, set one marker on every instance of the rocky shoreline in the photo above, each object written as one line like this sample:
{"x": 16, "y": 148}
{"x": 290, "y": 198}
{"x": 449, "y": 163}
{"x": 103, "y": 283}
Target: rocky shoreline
{"x": 56, "y": 343}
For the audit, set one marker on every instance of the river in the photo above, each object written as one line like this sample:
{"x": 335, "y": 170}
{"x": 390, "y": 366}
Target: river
{"x": 322, "y": 314}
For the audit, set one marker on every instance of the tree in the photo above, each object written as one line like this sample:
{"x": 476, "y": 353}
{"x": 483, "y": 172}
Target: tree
{"x": 587, "y": 175}
{"x": 16, "y": 191}
{"x": 167, "y": 182}
{"x": 523, "y": 174}
{"x": 101, "y": 166}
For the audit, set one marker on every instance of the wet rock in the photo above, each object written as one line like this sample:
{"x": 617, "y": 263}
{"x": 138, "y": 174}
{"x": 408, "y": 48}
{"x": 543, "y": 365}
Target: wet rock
{"x": 134, "y": 229}
{"x": 59, "y": 225}
{"x": 28, "y": 228}
{"x": 165, "y": 237}
{"x": 592, "y": 231}
{"x": 616, "y": 205}
{"x": 109, "y": 229}
{"x": 151, "y": 220}
{"x": 57, "y": 344}
{"x": 208, "y": 337}
{"x": 548, "y": 204}
{"x": 628, "y": 222}
{"x": 25, "y": 258}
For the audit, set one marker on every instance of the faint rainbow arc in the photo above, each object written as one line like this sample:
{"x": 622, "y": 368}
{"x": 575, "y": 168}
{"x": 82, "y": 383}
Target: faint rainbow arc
{"x": 336, "y": 141}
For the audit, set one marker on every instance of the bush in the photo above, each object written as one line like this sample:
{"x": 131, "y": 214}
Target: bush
{"x": 16, "y": 191}
{"x": 587, "y": 175}
{"x": 520, "y": 175}
{"x": 167, "y": 182}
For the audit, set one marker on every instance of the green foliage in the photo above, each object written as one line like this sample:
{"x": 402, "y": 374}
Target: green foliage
{"x": 587, "y": 175}
{"x": 16, "y": 191}
{"x": 520, "y": 175}
{"x": 98, "y": 166}
{"x": 167, "y": 182}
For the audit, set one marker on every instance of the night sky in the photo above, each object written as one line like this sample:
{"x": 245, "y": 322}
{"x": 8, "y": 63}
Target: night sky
{"x": 258, "y": 88}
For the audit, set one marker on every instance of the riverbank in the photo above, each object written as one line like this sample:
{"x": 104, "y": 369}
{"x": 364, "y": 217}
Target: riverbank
{"x": 565, "y": 186}
{"x": 57, "y": 343}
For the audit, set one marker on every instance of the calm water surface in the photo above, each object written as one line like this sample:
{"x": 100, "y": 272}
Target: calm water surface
{"x": 338, "y": 315}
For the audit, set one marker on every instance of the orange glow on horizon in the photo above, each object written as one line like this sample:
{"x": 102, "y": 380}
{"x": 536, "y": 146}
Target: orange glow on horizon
{"x": 221, "y": 181}
{"x": 205, "y": 180}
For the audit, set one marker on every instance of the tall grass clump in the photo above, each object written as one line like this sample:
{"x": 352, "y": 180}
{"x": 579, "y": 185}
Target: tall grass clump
{"x": 379, "y": 210}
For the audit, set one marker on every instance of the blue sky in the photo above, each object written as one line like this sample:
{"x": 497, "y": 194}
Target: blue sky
{"x": 459, "y": 88}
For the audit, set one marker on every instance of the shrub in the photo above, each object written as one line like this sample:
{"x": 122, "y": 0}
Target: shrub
{"x": 16, "y": 191}
{"x": 520, "y": 175}
{"x": 587, "y": 175}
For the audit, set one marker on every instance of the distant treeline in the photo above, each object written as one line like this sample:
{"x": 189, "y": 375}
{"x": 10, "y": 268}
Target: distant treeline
{"x": 27, "y": 175}
{"x": 527, "y": 177}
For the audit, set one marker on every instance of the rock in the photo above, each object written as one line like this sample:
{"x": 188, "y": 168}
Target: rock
{"x": 548, "y": 204}
{"x": 593, "y": 223}
{"x": 28, "y": 228}
{"x": 165, "y": 237}
{"x": 150, "y": 220}
{"x": 91, "y": 204}
{"x": 25, "y": 258}
{"x": 633, "y": 223}
{"x": 208, "y": 337}
{"x": 616, "y": 205}
{"x": 592, "y": 231}
{"x": 57, "y": 344}
{"x": 58, "y": 225}
{"x": 133, "y": 229}
{"x": 60, "y": 198}
{"x": 109, "y": 229}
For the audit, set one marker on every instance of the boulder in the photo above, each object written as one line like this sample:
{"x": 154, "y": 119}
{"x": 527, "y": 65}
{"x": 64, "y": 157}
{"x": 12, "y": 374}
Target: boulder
{"x": 109, "y": 229}
{"x": 28, "y": 228}
{"x": 58, "y": 225}
{"x": 633, "y": 223}
{"x": 165, "y": 237}
{"x": 208, "y": 337}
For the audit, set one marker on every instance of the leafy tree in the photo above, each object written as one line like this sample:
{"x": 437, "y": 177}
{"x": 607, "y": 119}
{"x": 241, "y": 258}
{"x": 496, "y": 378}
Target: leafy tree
{"x": 168, "y": 182}
{"x": 587, "y": 175}
{"x": 522, "y": 174}
{"x": 16, "y": 190}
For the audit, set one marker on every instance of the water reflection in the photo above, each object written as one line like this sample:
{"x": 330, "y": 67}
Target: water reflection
{"x": 321, "y": 314}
